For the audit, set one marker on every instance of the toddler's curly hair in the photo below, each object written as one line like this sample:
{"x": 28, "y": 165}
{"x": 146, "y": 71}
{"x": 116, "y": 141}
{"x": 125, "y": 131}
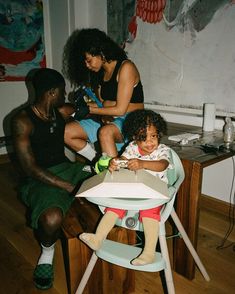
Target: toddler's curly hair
{"x": 136, "y": 123}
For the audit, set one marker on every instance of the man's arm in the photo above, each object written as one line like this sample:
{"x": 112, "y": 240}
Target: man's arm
{"x": 67, "y": 110}
{"x": 21, "y": 129}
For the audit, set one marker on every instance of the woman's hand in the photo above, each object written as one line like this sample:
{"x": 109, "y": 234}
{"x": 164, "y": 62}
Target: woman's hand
{"x": 92, "y": 104}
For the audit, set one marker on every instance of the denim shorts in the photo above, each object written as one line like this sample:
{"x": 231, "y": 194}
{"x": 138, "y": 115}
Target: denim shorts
{"x": 91, "y": 128}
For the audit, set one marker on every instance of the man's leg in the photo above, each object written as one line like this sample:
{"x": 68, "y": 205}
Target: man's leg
{"x": 48, "y": 232}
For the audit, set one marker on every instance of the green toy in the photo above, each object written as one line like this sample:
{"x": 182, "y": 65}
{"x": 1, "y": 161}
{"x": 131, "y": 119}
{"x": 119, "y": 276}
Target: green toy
{"x": 102, "y": 163}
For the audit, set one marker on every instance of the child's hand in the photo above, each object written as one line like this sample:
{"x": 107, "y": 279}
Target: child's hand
{"x": 135, "y": 164}
{"x": 113, "y": 165}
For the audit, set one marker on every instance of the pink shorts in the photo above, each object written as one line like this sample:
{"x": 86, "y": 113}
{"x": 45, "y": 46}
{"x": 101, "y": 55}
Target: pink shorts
{"x": 150, "y": 213}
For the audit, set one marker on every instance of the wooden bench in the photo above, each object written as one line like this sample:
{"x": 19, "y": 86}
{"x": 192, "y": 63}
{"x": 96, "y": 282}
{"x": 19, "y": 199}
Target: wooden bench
{"x": 83, "y": 216}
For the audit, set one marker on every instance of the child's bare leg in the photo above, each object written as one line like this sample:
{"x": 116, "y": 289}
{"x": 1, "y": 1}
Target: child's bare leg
{"x": 151, "y": 229}
{"x": 94, "y": 241}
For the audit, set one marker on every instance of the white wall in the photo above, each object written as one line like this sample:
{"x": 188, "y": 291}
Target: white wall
{"x": 188, "y": 68}
{"x": 60, "y": 25}
{"x": 12, "y": 95}
{"x": 90, "y": 13}
{"x": 217, "y": 179}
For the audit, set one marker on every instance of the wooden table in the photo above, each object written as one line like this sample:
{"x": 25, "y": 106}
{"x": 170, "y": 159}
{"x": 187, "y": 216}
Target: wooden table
{"x": 194, "y": 160}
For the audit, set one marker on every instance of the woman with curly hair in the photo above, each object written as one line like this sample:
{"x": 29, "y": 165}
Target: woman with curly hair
{"x": 144, "y": 128}
{"x": 91, "y": 57}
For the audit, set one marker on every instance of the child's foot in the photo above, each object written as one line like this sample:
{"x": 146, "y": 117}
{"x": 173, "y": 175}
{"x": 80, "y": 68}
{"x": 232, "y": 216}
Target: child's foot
{"x": 91, "y": 240}
{"x": 143, "y": 259}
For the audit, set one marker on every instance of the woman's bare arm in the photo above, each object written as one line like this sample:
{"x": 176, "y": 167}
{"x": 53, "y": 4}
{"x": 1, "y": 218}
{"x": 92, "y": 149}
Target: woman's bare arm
{"x": 128, "y": 77}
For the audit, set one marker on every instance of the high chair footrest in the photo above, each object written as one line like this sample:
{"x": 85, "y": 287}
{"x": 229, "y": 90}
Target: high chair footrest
{"x": 122, "y": 254}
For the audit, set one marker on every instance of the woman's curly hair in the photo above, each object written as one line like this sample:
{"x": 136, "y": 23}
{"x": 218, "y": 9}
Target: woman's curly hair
{"x": 94, "y": 42}
{"x": 136, "y": 123}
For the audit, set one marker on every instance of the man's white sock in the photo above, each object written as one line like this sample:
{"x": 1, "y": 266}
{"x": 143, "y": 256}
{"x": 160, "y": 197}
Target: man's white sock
{"x": 88, "y": 152}
{"x": 47, "y": 254}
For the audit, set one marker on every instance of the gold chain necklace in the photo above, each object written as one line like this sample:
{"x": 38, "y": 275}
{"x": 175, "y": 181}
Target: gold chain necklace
{"x": 51, "y": 118}
{"x": 45, "y": 117}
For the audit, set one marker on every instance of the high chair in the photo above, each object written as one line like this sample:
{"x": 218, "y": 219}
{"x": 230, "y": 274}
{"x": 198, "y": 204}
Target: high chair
{"x": 122, "y": 254}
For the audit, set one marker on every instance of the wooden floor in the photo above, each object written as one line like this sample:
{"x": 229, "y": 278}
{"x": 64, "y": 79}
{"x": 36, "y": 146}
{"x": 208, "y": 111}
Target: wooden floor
{"x": 19, "y": 252}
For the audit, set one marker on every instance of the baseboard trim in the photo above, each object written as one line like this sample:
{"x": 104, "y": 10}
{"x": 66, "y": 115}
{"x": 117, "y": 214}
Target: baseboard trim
{"x": 215, "y": 205}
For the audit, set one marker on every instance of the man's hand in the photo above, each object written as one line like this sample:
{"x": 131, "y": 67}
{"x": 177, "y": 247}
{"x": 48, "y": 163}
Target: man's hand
{"x": 67, "y": 110}
{"x": 82, "y": 109}
{"x": 107, "y": 119}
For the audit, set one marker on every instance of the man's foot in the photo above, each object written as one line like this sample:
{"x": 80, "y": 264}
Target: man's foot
{"x": 143, "y": 259}
{"x": 43, "y": 276}
{"x": 91, "y": 240}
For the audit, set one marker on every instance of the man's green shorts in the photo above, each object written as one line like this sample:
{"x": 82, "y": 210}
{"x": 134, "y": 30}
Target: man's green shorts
{"x": 39, "y": 196}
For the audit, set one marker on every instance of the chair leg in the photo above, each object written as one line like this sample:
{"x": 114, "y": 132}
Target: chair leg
{"x": 189, "y": 245}
{"x": 87, "y": 274}
{"x": 167, "y": 270}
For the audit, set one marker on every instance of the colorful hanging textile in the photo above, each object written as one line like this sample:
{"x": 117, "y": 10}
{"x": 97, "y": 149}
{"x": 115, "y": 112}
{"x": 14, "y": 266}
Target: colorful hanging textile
{"x": 150, "y": 11}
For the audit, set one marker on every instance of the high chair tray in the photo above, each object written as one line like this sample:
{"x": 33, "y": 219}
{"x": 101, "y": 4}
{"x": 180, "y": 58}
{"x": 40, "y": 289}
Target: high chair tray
{"x": 124, "y": 184}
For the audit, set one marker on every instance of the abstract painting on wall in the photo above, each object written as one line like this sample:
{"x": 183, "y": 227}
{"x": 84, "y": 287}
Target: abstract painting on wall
{"x": 21, "y": 38}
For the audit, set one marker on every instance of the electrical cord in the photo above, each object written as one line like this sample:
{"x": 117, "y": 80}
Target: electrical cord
{"x": 231, "y": 215}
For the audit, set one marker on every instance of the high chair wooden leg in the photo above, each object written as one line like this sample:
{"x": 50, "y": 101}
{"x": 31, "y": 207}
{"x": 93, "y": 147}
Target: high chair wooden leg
{"x": 167, "y": 270}
{"x": 189, "y": 245}
{"x": 87, "y": 274}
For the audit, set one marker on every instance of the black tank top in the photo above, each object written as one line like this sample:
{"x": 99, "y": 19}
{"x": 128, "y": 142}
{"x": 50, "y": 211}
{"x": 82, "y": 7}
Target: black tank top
{"x": 47, "y": 139}
{"x": 109, "y": 88}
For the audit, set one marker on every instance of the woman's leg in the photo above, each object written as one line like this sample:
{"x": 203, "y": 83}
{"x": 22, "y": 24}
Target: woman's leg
{"x": 76, "y": 138}
{"x": 109, "y": 135}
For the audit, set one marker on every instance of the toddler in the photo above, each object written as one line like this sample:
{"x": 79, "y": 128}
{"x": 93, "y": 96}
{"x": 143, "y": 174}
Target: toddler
{"x": 143, "y": 129}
